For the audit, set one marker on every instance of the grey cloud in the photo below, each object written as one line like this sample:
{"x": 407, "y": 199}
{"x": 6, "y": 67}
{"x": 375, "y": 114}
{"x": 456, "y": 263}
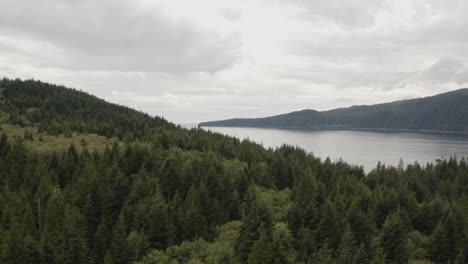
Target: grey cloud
{"x": 359, "y": 13}
{"x": 446, "y": 70}
{"x": 389, "y": 56}
{"x": 231, "y": 13}
{"x": 446, "y": 73}
{"x": 318, "y": 54}
{"x": 117, "y": 35}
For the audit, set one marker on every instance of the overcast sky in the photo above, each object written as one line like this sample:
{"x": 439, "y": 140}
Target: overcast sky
{"x": 211, "y": 59}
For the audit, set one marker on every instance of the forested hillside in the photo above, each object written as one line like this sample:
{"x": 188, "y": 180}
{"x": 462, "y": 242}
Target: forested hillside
{"x": 131, "y": 188}
{"x": 444, "y": 112}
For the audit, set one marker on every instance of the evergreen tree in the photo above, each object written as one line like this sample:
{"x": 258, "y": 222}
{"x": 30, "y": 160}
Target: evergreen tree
{"x": 74, "y": 237}
{"x": 439, "y": 249}
{"x": 394, "y": 239}
{"x": 347, "y": 248}
{"x": 329, "y": 227}
{"x": 323, "y": 256}
{"x": 158, "y": 193}
{"x": 119, "y": 250}
{"x": 262, "y": 249}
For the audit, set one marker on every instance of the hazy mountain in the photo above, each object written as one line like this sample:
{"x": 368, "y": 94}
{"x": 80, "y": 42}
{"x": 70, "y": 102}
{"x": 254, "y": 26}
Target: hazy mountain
{"x": 442, "y": 112}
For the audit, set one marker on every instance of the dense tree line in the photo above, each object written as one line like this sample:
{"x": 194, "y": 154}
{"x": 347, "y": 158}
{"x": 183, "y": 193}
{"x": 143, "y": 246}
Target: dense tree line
{"x": 170, "y": 195}
{"x": 55, "y": 109}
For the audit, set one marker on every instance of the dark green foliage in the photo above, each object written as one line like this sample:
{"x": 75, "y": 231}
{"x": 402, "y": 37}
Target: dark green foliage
{"x": 56, "y": 110}
{"x": 394, "y": 239}
{"x": 168, "y": 194}
{"x": 28, "y": 135}
{"x": 329, "y": 228}
{"x": 439, "y": 247}
{"x": 347, "y": 248}
{"x": 262, "y": 249}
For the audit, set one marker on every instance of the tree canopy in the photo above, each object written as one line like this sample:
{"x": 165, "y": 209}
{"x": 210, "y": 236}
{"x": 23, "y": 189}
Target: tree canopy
{"x": 158, "y": 193}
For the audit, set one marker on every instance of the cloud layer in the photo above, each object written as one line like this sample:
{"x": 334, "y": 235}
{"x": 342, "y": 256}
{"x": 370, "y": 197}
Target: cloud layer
{"x": 115, "y": 35}
{"x": 209, "y": 59}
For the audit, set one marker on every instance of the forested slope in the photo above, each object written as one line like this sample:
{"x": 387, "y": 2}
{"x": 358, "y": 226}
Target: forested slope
{"x": 157, "y": 193}
{"x": 444, "y": 112}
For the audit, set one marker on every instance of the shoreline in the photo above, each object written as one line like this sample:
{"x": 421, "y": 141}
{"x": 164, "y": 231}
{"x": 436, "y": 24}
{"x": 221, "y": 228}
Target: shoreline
{"x": 422, "y": 131}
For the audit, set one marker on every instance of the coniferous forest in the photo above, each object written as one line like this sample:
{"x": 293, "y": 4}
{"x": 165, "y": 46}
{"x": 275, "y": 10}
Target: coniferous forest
{"x": 86, "y": 181}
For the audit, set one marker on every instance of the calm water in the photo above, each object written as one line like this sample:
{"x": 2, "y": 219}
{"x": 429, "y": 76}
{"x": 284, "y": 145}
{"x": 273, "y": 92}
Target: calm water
{"x": 360, "y": 147}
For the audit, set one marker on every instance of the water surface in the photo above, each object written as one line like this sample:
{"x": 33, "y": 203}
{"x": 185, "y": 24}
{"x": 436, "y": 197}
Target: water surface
{"x": 364, "y": 148}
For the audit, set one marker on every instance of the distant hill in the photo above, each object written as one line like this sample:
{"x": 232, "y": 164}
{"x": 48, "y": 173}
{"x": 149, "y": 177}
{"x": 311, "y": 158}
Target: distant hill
{"x": 444, "y": 112}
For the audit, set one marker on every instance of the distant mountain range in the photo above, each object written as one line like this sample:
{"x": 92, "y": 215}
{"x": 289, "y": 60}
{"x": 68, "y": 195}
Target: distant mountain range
{"x": 447, "y": 112}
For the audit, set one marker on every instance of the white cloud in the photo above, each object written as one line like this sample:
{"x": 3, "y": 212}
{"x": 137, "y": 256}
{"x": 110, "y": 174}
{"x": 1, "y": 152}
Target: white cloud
{"x": 210, "y": 59}
{"x": 116, "y": 35}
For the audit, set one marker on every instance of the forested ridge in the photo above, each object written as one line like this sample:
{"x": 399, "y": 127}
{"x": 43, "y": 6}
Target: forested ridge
{"x": 158, "y": 193}
{"x": 447, "y": 112}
